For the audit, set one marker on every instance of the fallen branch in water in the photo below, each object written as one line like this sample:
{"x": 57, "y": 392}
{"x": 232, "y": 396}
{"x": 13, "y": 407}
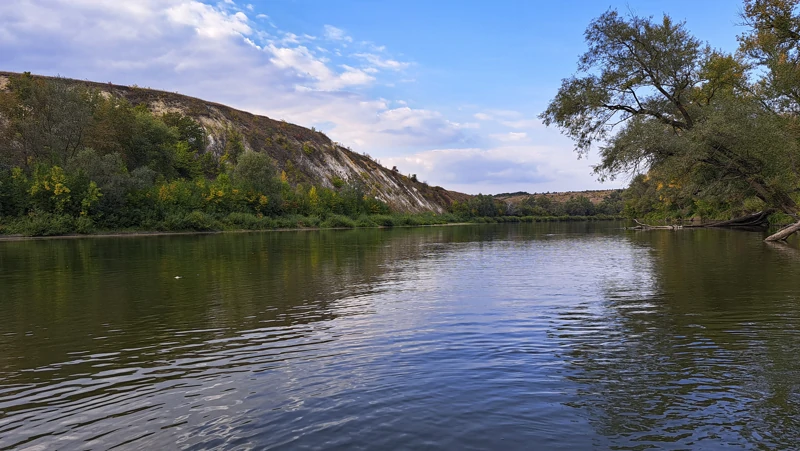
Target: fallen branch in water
{"x": 753, "y": 220}
{"x": 759, "y": 219}
{"x": 784, "y": 233}
{"x": 643, "y": 226}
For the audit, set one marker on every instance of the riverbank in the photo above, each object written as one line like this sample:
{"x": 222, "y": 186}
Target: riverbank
{"x": 139, "y": 234}
{"x": 303, "y": 224}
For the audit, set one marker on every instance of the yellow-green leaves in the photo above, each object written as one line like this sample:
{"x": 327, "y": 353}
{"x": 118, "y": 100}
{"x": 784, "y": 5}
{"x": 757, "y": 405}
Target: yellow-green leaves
{"x": 49, "y": 187}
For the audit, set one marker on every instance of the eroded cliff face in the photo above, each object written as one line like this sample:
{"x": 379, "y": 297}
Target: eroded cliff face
{"x": 304, "y": 155}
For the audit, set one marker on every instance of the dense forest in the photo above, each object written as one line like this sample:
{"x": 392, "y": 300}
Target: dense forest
{"x": 706, "y": 133}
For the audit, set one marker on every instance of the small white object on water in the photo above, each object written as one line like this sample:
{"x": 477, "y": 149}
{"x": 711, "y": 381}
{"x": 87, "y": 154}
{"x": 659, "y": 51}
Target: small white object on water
{"x": 178, "y": 277}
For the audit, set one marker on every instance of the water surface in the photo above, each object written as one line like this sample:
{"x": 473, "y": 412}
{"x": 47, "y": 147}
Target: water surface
{"x": 546, "y": 336}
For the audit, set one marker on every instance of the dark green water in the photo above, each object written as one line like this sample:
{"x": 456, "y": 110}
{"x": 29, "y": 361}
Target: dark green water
{"x": 541, "y": 336}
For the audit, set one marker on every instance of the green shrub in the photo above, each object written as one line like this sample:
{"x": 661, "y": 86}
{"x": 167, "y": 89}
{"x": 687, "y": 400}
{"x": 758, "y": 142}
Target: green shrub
{"x": 297, "y": 221}
{"x": 307, "y": 221}
{"x": 249, "y": 221}
{"x": 410, "y": 220}
{"x": 285, "y": 223}
{"x": 338, "y": 221}
{"x": 196, "y": 221}
{"x": 84, "y": 225}
{"x": 365, "y": 221}
{"x": 383, "y": 220}
{"x": 42, "y": 224}
{"x": 779, "y": 218}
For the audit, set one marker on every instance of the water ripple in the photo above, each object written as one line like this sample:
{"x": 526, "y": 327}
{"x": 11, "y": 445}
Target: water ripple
{"x": 449, "y": 338}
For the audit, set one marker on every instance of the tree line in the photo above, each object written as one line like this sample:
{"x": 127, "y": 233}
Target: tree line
{"x": 74, "y": 159}
{"x": 539, "y": 206}
{"x": 705, "y": 132}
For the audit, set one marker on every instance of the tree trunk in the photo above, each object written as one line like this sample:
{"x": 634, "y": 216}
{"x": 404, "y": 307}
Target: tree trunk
{"x": 784, "y": 203}
{"x": 784, "y": 232}
{"x": 773, "y": 197}
{"x": 755, "y": 220}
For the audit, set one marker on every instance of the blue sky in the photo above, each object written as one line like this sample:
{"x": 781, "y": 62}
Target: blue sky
{"x": 448, "y": 90}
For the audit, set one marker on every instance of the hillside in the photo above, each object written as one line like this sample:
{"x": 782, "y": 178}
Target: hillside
{"x": 595, "y": 196}
{"x": 305, "y": 156}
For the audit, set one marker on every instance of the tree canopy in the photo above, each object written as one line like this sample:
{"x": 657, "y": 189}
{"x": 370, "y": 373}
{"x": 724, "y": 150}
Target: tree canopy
{"x": 73, "y": 159}
{"x": 712, "y": 126}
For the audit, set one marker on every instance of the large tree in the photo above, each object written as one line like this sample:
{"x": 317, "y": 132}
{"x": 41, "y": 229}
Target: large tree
{"x": 44, "y": 120}
{"x": 654, "y": 99}
{"x": 773, "y": 43}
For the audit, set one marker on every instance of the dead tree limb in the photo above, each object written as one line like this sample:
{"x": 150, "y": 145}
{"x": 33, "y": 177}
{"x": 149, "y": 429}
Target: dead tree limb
{"x": 648, "y": 226}
{"x": 759, "y": 219}
{"x": 753, "y": 220}
{"x": 784, "y": 233}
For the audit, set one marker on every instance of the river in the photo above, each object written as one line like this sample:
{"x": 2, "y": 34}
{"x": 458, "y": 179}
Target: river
{"x": 524, "y": 336}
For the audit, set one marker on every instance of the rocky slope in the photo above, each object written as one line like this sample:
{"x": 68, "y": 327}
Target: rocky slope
{"x": 306, "y": 156}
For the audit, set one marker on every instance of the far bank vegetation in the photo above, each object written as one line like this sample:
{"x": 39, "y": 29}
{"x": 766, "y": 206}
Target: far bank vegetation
{"x": 76, "y": 160}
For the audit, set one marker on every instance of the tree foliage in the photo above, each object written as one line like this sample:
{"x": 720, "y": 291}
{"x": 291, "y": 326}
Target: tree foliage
{"x": 773, "y": 42}
{"x": 72, "y": 159}
{"x": 654, "y": 99}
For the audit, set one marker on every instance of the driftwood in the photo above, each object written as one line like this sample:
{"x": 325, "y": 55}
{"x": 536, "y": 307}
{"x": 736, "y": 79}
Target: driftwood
{"x": 755, "y": 220}
{"x": 784, "y": 233}
{"x": 643, "y": 226}
{"x": 749, "y": 221}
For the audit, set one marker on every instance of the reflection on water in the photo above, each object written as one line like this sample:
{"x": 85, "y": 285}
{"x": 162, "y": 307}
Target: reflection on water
{"x": 561, "y": 335}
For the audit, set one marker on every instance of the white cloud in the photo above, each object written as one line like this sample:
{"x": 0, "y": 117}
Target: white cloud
{"x": 509, "y": 118}
{"x": 373, "y": 47}
{"x": 383, "y": 63}
{"x": 505, "y": 113}
{"x": 208, "y": 21}
{"x": 289, "y": 38}
{"x": 508, "y": 137}
{"x": 523, "y": 123}
{"x": 336, "y": 34}
{"x": 351, "y": 77}
{"x": 303, "y": 62}
{"x": 469, "y": 125}
{"x": 300, "y": 60}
